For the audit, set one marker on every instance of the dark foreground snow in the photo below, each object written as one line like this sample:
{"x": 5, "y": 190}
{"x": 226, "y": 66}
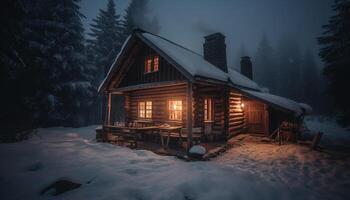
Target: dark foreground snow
{"x": 112, "y": 172}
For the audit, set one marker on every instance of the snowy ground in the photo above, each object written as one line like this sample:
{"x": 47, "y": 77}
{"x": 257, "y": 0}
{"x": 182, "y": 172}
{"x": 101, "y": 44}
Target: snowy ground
{"x": 323, "y": 175}
{"x": 248, "y": 171}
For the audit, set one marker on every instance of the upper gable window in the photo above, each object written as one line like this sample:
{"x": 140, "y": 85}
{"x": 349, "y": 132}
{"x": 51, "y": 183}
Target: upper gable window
{"x": 152, "y": 63}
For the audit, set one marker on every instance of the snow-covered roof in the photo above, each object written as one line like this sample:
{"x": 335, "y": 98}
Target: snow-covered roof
{"x": 240, "y": 80}
{"x": 192, "y": 62}
{"x": 114, "y": 64}
{"x": 293, "y": 106}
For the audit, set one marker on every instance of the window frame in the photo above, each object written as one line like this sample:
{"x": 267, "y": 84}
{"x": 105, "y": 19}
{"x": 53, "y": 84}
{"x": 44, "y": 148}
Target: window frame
{"x": 170, "y": 110}
{"x": 208, "y": 109}
{"x": 150, "y": 61}
{"x": 142, "y": 113}
{"x": 148, "y": 65}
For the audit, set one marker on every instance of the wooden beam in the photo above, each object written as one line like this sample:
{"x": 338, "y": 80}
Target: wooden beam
{"x": 109, "y": 109}
{"x": 103, "y": 110}
{"x": 149, "y": 86}
{"x": 226, "y": 110}
{"x": 189, "y": 114}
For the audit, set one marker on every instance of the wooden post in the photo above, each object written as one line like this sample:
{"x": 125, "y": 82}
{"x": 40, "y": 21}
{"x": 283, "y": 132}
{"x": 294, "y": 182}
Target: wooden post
{"x": 103, "y": 110}
{"x": 189, "y": 114}
{"x": 109, "y": 109}
{"x": 226, "y": 110}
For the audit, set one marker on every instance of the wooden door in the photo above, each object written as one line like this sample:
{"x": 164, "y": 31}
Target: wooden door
{"x": 257, "y": 117}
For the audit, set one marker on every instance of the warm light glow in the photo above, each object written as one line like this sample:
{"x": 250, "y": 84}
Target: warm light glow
{"x": 152, "y": 64}
{"x": 148, "y": 65}
{"x": 145, "y": 109}
{"x": 242, "y": 105}
{"x": 175, "y": 110}
{"x": 155, "y": 63}
{"x": 208, "y": 111}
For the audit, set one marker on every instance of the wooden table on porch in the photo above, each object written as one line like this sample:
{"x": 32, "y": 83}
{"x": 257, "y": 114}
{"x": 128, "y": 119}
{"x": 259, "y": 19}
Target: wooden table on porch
{"x": 132, "y": 132}
{"x": 137, "y": 132}
{"x": 166, "y": 132}
{"x": 141, "y": 130}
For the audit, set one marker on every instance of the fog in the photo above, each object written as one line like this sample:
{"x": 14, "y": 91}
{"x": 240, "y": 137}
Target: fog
{"x": 242, "y": 21}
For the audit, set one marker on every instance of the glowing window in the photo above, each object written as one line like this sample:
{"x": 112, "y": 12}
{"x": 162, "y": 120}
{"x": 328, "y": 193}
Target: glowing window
{"x": 208, "y": 110}
{"x": 155, "y": 63}
{"x": 148, "y": 65}
{"x": 175, "y": 110}
{"x": 145, "y": 109}
{"x": 148, "y": 109}
{"x": 152, "y": 64}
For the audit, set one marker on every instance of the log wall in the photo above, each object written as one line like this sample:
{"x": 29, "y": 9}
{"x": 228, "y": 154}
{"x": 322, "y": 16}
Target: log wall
{"x": 236, "y": 121}
{"x": 159, "y": 97}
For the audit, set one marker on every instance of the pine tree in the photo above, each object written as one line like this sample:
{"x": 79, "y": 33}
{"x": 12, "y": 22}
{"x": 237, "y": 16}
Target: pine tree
{"x": 336, "y": 56}
{"x": 264, "y": 65}
{"x": 103, "y": 47}
{"x": 73, "y": 89}
{"x": 56, "y": 43}
{"x": 106, "y": 38}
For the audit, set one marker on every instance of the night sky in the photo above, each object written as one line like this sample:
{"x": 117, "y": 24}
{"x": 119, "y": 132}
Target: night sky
{"x": 242, "y": 21}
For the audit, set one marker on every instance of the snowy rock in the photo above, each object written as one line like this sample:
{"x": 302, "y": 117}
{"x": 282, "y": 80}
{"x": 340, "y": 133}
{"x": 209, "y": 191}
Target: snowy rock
{"x": 198, "y": 150}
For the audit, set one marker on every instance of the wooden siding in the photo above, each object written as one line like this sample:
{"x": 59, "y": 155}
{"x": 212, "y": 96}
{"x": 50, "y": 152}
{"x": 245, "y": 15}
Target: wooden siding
{"x": 136, "y": 75}
{"x": 159, "y": 97}
{"x": 236, "y": 121}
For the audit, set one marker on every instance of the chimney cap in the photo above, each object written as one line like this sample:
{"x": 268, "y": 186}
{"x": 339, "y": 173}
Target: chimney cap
{"x": 137, "y": 29}
{"x": 245, "y": 58}
{"x": 214, "y": 35}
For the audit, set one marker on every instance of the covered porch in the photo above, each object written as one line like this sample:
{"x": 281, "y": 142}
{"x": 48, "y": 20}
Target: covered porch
{"x": 151, "y": 116}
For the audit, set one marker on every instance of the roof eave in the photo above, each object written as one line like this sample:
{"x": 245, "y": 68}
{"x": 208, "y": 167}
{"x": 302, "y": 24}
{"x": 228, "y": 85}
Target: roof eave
{"x": 113, "y": 68}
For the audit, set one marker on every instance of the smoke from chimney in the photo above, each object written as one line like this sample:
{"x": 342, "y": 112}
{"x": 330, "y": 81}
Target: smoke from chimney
{"x": 246, "y": 67}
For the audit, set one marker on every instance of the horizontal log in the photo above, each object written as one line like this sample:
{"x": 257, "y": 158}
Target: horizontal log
{"x": 235, "y": 98}
{"x": 236, "y": 114}
{"x": 235, "y": 94}
{"x": 236, "y": 118}
{"x": 233, "y": 123}
{"x": 235, "y": 110}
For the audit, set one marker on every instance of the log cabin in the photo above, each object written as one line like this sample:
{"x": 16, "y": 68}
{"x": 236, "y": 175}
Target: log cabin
{"x": 163, "y": 82}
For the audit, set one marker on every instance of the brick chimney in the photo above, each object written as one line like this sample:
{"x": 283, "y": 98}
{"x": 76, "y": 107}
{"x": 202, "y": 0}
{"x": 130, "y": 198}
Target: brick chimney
{"x": 246, "y": 67}
{"x": 214, "y": 49}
